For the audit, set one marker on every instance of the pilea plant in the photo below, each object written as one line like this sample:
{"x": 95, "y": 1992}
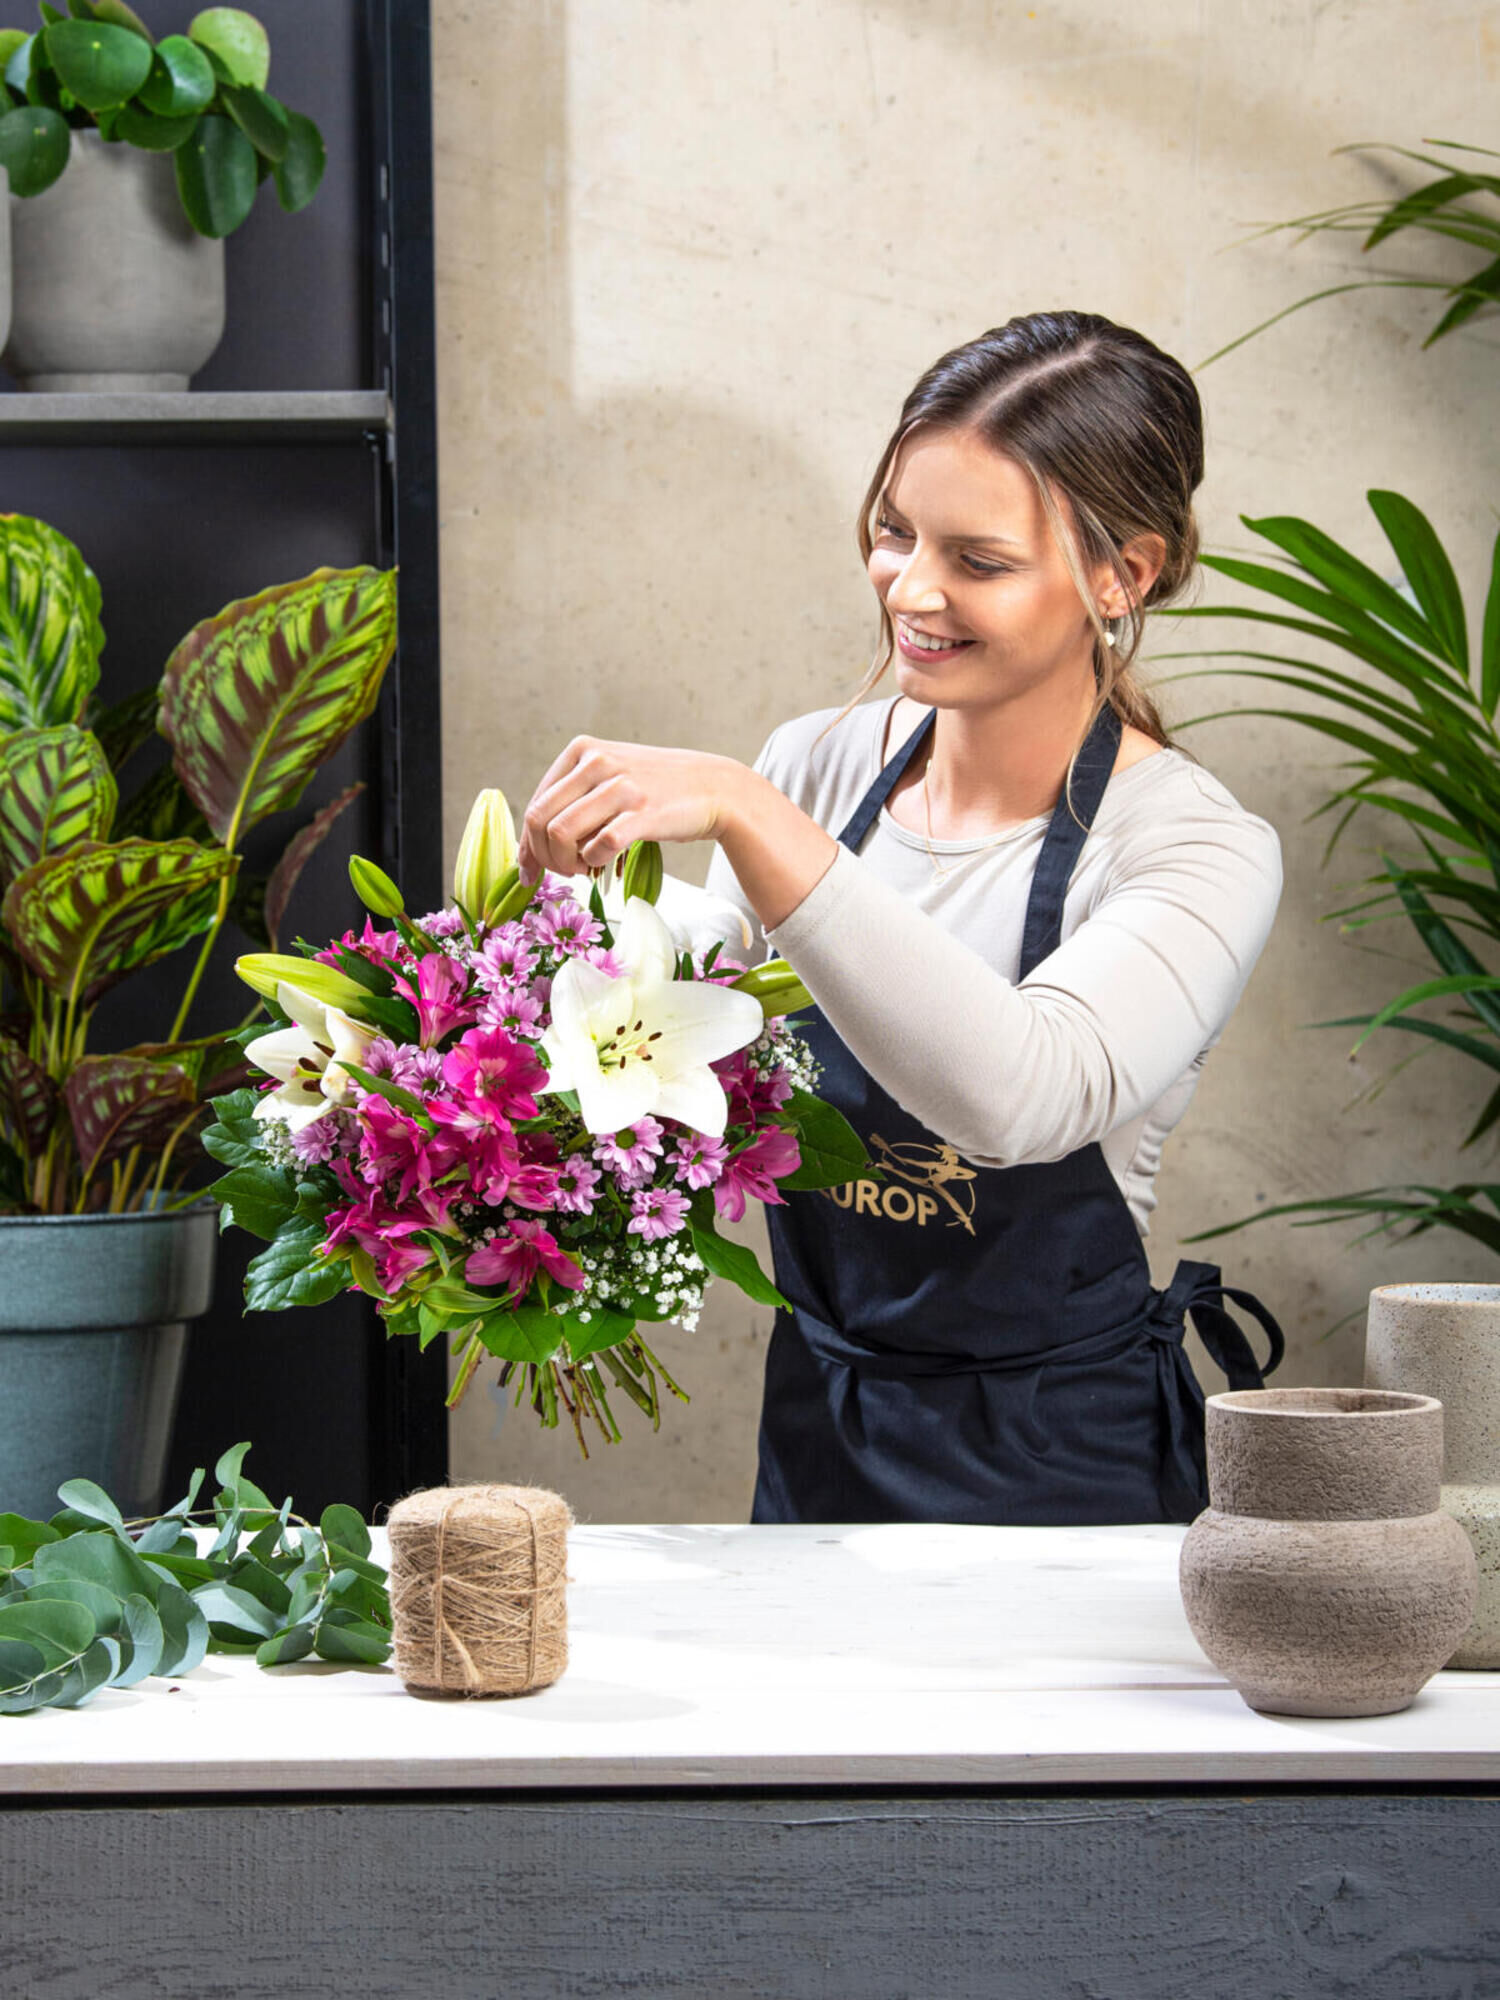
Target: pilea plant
{"x": 200, "y": 97}
{"x": 251, "y": 703}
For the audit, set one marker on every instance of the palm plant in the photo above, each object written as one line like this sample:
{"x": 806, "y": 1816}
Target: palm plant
{"x": 1419, "y": 721}
{"x": 1457, "y": 207}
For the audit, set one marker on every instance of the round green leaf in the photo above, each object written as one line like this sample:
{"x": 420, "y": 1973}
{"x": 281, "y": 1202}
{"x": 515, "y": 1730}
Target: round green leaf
{"x": 102, "y": 65}
{"x": 17, "y": 48}
{"x": 238, "y": 40}
{"x": 182, "y": 79}
{"x": 121, "y": 15}
{"x": 152, "y": 134}
{"x": 7, "y": 102}
{"x": 262, "y": 120}
{"x": 84, "y": 1497}
{"x": 34, "y": 145}
{"x": 300, "y": 169}
{"x": 216, "y": 176}
{"x": 12, "y": 39}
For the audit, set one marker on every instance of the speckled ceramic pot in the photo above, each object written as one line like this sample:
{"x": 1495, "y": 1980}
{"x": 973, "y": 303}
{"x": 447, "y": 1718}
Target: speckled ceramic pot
{"x": 1444, "y": 1341}
{"x": 1323, "y": 1578}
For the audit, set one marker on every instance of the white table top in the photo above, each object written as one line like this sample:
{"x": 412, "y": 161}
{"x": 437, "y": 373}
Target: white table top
{"x": 898, "y": 1655}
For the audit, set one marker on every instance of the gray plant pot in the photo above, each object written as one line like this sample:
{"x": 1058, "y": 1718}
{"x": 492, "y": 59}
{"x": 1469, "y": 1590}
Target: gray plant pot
{"x": 93, "y": 1324}
{"x": 113, "y": 289}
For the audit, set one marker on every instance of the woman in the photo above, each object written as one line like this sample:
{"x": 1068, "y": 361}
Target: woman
{"x": 1026, "y": 918}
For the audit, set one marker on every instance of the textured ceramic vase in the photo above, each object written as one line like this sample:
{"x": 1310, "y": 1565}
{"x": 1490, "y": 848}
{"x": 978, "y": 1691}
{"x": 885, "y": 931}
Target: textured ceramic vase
{"x": 1444, "y": 1341}
{"x": 112, "y": 287}
{"x": 1324, "y": 1579}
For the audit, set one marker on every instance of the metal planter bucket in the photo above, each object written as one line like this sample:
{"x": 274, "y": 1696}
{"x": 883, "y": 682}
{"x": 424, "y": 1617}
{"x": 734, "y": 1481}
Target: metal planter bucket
{"x": 113, "y": 289}
{"x": 93, "y": 1324}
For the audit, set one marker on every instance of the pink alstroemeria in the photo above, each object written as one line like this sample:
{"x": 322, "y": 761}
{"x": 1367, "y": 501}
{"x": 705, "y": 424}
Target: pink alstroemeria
{"x": 380, "y": 947}
{"x": 514, "y": 1259}
{"x": 767, "y": 1159}
{"x": 655, "y": 1213}
{"x": 439, "y": 996}
{"x": 396, "y": 1145}
{"x": 495, "y": 1076}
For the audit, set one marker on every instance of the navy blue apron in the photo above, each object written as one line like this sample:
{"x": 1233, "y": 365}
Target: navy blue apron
{"x": 983, "y": 1344}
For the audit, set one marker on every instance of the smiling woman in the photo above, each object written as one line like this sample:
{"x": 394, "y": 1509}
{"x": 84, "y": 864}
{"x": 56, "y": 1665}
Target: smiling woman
{"x": 1025, "y": 918}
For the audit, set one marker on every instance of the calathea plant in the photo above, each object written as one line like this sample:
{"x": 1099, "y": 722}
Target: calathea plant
{"x": 251, "y": 703}
{"x": 200, "y": 97}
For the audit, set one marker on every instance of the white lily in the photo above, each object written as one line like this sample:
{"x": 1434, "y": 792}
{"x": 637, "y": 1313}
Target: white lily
{"x": 308, "y": 1059}
{"x": 643, "y": 1042}
{"x": 696, "y": 919}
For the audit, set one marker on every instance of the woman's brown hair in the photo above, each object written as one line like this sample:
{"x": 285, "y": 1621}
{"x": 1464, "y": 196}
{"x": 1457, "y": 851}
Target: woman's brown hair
{"x": 1107, "y": 425}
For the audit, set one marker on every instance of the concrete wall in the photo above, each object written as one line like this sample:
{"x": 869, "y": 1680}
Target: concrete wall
{"x": 691, "y": 257}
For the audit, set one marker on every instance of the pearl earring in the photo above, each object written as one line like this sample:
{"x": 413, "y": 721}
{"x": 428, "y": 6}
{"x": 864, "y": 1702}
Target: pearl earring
{"x": 1109, "y": 637}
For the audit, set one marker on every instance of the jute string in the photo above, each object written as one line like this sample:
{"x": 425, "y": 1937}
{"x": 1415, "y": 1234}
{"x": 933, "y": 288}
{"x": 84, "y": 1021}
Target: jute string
{"x": 478, "y": 1587}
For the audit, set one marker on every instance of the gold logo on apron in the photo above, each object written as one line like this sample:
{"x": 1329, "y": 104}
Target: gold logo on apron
{"x": 937, "y": 1171}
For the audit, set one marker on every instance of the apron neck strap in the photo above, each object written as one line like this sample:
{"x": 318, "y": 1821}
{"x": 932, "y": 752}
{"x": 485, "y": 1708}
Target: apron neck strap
{"x": 1071, "y": 820}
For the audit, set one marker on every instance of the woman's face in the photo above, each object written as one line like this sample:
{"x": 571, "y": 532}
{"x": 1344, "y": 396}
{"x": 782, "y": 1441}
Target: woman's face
{"x": 983, "y": 606}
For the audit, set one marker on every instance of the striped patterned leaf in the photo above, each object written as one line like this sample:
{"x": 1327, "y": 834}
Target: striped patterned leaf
{"x": 254, "y": 700}
{"x": 56, "y": 788}
{"x": 84, "y": 918}
{"x": 161, "y": 810}
{"x": 119, "y": 1102}
{"x": 28, "y": 1097}
{"x": 50, "y": 635}
{"x": 299, "y": 851}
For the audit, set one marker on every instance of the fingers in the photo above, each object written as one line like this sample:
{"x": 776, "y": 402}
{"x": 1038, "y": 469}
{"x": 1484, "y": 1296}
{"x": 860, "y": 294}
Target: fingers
{"x": 583, "y": 795}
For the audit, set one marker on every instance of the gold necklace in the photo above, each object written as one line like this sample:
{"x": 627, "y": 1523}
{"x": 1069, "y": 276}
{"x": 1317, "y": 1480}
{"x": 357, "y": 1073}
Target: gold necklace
{"x": 939, "y": 871}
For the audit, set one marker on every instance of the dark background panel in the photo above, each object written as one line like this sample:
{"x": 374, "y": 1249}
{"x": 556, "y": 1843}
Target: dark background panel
{"x": 338, "y": 297}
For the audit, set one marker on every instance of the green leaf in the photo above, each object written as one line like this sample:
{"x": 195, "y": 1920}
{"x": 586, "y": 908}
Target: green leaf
{"x": 344, "y": 1636}
{"x": 28, "y": 1097}
{"x": 147, "y": 1640}
{"x": 182, "y": 81}
{"x": 258, "y": 1197}
{"x": 256, "y": 699}
{"x": 24, "y": 1536}
{"x": 118, "y": 1103}
{"x": 394, "y": 1093}
{"x": 299, "y": 172}
{"x": 235, "y": 1138}
{"x": 50, "y": 635}
{"x": 832, "y": 1151}
{"x": 262, "y": 120}
{"x": 236, "y": 1487}
{"x": 84, "y": 1497}
{"x": 161, "y": 810}
{"x": 23, "y": 1677}
{"x": 238, "y": 40}
{"x": 1425, "y": 564}
{"x": 56, "y": 788}
{"x": 289, "y": 1272}
{"x": 86, "y": 917}
{"x": 216, "y": 176}
{"x": 35, "y": 145}
{"x": 121, "y": 15}
{"x": 1489, "y": 694}
{"x": 152, "y": 134}
{"x": 124, "y": 726}
{"x": 100, "y": 64}
{"x": 292, "y": 1642}
{"x": 737, "y": 1263}
{"x": 12, "y": 42}
{"x": 234, "y": 1614}
{"x": 605, "y": 1328}
{"x": 530, "y": 1333}
{"x": 59, "y": 1630}
{"x": 344, "y": 1525}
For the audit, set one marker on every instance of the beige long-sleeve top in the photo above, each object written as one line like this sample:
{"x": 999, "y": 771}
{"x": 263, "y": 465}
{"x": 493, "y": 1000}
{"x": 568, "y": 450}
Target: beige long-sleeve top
{"x": 1169, "y": 905}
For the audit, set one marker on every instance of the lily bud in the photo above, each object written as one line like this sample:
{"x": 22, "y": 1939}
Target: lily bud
{"x": 374, "y": 888}
{"x": 266, "y": 970}
{"x": 776, "y": 987}
{"x": 643, "y": 871}
{"x": 486, "y": 854}
{"x": 512, "y": 897}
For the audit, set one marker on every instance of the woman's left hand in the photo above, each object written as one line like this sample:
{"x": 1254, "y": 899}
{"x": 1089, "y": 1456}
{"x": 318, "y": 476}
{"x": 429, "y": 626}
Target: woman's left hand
{"x": 598, "y": 797}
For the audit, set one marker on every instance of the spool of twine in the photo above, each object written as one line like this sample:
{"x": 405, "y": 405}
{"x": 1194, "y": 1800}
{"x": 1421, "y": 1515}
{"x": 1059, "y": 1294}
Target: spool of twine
{"x": 478, "y": 1588}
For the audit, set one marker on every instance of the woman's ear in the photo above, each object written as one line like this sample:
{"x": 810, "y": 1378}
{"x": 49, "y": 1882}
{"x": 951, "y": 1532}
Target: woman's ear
{"x": 1143, "y": 557}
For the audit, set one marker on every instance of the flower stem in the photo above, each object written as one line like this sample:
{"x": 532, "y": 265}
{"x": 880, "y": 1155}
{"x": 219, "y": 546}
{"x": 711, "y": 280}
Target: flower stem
{"x": 473, "y": 1354}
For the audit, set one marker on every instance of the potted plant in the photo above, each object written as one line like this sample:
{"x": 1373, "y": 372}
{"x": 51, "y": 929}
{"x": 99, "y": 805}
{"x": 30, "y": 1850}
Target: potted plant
{"x": 103, "y": 1253}
{"x": 129, "y": 161}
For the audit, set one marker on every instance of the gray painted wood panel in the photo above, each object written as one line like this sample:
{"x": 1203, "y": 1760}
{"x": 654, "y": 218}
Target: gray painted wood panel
{"x": 1000, "y": 1897}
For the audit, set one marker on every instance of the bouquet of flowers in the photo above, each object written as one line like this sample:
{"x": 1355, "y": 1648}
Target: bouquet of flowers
{"x": 515, "y": 1123}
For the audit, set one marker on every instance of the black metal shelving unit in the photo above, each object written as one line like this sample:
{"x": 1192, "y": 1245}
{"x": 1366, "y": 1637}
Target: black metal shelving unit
{"x": 309, "y": 438}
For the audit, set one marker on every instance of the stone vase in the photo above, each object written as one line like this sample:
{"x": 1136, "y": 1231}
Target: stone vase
{"x": 1444, "y": 1341}
{"x": 113, "y": 288}
{"x": 1323, "y": 1578}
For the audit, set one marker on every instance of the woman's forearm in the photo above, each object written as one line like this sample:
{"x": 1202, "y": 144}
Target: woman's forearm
{"x": 777, "y": 853}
